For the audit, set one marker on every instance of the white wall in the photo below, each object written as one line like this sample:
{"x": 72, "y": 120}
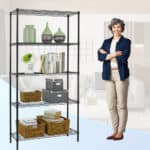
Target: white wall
{"x": 4, "y": 36}
{"x": 4, "y": 4}
{"x": 3, "y": 53}
{"x": 102, "y": 6}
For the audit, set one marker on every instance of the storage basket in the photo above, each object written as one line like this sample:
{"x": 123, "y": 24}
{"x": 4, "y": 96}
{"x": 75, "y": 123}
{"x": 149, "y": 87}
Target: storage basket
{"x": 34, "y": 96}
{"x": 53, "y": 128}
{"x": 28, "y": 131}
{"x": 54, "y": 84}
{"x": 54, "y": 97}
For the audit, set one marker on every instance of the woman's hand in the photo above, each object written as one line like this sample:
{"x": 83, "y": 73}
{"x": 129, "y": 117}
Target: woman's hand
{"x": 111, "y": 56}
{"x": 113, "y": 59}
{"x": 102, "y": 51}
{"x": 117, "y": 53}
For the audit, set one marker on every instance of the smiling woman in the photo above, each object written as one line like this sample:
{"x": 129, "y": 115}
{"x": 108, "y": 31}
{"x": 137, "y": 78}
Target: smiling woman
{"x": 114, "y": 53}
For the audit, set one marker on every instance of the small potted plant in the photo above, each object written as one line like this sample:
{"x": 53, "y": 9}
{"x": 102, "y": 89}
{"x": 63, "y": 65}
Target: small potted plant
{"x": 27, "y": 59}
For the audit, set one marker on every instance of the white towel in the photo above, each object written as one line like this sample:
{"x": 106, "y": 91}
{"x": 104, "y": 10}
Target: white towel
{"x": 29, "y": 122}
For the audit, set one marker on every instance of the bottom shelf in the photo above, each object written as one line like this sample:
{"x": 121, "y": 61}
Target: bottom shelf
{"x": 71, "y": 132}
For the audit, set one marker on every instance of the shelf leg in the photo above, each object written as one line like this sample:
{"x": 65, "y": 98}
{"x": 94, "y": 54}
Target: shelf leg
{"x": 17, "y": 59}
{"x": 78, "y": 76}
{"x": 68, "y": 67}
{"x": 10, "y": 83}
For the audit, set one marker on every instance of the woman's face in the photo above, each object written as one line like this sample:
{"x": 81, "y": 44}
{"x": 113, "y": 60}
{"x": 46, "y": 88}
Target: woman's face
{"x": 116, "y": 29}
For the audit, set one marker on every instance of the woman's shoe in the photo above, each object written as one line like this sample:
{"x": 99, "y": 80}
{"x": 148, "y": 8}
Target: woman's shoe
{"x": 111, "y": 137}
{"x": 118, "y": 138}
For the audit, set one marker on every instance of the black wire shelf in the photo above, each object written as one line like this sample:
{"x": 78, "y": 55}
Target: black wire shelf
{"x": 54, "y": 13}
{"x": 42, "y": 103}
{"x": 20, "y": 138}
{"x": 16, "y": 14}
{"x": 43, "y": 44}
{"x": 44, "y": 74}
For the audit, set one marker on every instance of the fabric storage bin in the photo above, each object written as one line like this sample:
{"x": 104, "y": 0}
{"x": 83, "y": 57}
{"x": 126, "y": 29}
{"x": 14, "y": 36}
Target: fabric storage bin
{"x": 58, "y": 85}
{"x": 28, "y": 131}
{"x": 54, "y": 85}
{"x": 55, "y": 127}
{"x": 34, "y": 96}
{"x": 55, "y": 96}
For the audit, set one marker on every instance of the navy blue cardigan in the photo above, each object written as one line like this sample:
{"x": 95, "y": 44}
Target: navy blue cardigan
{"x": 124, "y": 45}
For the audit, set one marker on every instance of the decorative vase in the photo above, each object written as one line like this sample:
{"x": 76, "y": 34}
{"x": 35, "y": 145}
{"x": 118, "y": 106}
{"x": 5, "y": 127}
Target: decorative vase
{"x": 59, "y": 36}
{"x": 29, "y": 34}
{"x": 47, "y": 35}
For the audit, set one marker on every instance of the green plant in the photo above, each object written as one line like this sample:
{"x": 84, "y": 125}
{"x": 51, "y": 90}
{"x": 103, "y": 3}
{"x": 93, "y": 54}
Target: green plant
{"x": 27, "y": 57}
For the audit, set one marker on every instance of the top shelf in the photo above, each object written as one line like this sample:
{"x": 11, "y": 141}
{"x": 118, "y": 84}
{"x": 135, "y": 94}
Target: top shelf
{"x": 44, "y": 12}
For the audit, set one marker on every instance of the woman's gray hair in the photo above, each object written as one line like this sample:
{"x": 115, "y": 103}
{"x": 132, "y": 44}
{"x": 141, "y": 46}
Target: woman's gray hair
{"x": 115, "y": 21}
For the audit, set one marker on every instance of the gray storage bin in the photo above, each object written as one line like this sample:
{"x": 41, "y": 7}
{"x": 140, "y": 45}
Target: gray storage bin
{"x": 54, "y": 96}
{"x": 54, "y": 85}
{"x": 58, "y": 85}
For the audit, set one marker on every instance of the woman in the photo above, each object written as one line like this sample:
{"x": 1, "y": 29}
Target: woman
{"x": 114, "y": 53}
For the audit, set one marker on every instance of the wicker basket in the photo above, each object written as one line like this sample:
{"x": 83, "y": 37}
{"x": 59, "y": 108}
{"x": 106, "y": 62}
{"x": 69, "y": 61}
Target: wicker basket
{"x": 30, "y": 96}
{"x": 53, "y": 128}
{"x": 31, "y": 131}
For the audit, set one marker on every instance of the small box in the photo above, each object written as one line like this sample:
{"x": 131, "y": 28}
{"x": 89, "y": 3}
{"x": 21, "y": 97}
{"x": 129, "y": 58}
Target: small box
{"x": 54, "y": 85}
{"x": 57, "y": 85}
{"x": 55, "y": 96}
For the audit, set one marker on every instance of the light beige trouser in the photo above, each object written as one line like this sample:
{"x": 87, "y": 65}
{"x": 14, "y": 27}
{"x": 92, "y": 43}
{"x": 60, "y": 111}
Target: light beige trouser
{"x": 117, "y": 93}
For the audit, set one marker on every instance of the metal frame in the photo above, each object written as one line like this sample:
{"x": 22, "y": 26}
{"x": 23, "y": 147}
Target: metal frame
{"x": 78, "y": 77}
{"x": 66, "y": 14}
{"x": 10, "y": 92}
{"x": 68, "y": 65}
{"x": 17, "y": 70}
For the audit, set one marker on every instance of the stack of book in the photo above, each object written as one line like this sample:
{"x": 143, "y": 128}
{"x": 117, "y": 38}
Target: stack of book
{"x": 53, "y": 62}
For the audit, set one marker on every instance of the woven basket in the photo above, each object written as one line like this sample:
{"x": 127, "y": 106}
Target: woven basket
{"x": 53, "y": 128}
{"x": 30, "y": 96}
{"x": 31, "y": 131}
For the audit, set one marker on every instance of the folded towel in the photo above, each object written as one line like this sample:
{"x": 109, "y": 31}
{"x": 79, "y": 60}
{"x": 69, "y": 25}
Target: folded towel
{"x": 53, "y": 120}
{"x": 52, "y": 113}
{"x": 29, "y": 122}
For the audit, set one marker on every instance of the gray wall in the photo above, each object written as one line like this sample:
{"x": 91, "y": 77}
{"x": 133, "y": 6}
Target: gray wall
{"x": 3, "y": 51}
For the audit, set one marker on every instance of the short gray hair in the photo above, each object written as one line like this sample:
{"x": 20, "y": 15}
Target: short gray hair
{"x": 115, "y": 21}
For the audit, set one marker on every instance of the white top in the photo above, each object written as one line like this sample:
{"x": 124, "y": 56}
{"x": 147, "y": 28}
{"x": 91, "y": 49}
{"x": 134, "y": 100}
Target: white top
{"x": 112, "y": 50}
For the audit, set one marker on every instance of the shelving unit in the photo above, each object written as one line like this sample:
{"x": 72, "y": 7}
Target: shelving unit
{"x": 17, "y": 104}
